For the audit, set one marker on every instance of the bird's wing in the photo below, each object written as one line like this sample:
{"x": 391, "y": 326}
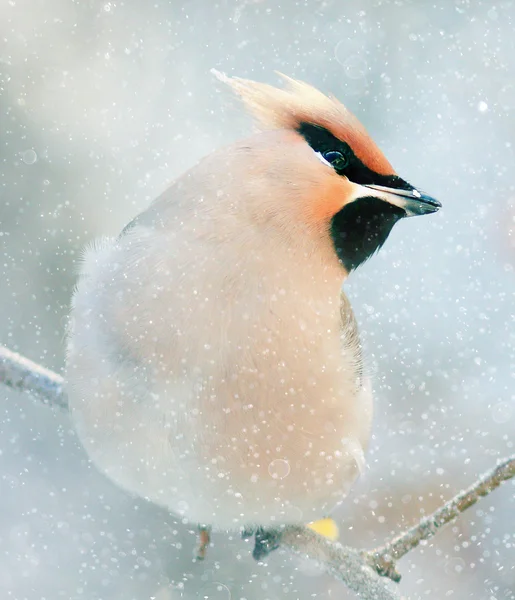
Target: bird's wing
{"x": 350, "y": 335}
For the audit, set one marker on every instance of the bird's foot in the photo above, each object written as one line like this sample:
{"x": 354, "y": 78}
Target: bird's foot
{"x": 266, "y": 540}
{"x": 204, "y": 538}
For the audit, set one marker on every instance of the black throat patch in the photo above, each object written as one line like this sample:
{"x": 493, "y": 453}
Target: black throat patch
{"x": 362, "y": 227}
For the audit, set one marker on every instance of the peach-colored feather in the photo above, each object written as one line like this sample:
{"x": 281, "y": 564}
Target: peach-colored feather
{"x": 227, "y": 374}
{"x": 277, "y": 108}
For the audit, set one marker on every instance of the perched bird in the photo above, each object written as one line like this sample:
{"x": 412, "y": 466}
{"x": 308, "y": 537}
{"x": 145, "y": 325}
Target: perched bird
{"x": 214, "y": 366}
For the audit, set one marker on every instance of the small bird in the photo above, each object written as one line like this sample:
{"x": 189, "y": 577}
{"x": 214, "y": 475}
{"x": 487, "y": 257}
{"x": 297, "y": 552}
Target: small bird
{"x": 214, "y": 366}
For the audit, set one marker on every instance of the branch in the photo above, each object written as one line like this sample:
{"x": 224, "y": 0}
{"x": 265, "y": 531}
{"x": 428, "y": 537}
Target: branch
{"x": 358, "y": 570}
{"x": 383, "y": 558}
{"x": 346, "y": 564}
{"x": 20, "y": 373}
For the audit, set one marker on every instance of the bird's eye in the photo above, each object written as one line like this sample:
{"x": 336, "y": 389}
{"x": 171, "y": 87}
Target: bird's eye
{"x": 336, "y": 160}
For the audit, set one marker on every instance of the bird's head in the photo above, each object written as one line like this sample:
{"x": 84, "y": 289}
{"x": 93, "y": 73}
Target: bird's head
{"x": 328, "y": 170}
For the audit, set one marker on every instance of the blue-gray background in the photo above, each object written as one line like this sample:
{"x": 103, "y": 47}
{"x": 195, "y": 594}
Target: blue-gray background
{"x": 102, "y": 104}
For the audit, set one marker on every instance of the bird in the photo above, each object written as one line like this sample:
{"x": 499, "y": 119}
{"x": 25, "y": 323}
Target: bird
{"x": 214, "y": 363}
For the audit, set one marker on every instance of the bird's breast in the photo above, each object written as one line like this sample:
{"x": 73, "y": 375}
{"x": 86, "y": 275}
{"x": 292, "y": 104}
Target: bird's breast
{"x": 251, "y": 407}
{"x": 276, "y": 416}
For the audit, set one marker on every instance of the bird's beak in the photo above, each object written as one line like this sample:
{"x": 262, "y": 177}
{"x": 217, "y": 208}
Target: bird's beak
{"x": 412, "y": 201}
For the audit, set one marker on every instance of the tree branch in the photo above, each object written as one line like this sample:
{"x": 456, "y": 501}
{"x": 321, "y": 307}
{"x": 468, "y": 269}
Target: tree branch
{"x": 383, "y": 558}
{"x": 20, "y": 373}
{"x": 358, "y": 570}
{"x": 346, "y": 564}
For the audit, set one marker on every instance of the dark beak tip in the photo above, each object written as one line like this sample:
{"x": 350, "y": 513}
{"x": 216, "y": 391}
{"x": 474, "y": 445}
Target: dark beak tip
{"x": 431, "y": 204}
{"x": 423, "y": 204}
{"x": 425, "y": 208}
{"x": 432, "y": 201}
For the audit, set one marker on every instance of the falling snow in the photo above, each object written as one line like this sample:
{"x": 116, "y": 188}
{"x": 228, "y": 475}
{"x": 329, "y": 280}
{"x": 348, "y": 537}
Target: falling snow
{"x": 102, "y": 105}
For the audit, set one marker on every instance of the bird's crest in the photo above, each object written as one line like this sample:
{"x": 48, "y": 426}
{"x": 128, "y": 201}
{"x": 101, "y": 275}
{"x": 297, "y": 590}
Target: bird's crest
{"x": 299, "y": 103}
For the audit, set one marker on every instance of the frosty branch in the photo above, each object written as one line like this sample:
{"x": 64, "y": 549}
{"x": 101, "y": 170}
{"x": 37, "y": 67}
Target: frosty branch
{"x": 383, "y": 559}
{"x": 358, "y": 570}
{"x": 20, "y": 373}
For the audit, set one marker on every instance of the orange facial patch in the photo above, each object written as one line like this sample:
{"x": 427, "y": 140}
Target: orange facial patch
{"x": 329, "y": 199}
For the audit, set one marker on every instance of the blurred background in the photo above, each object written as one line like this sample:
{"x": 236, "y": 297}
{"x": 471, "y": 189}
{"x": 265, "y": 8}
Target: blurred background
{"x": 102, "y": 103}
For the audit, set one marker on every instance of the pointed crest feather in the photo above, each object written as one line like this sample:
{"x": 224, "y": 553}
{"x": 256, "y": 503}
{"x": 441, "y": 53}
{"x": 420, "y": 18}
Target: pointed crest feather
{"x": 300, "y": 102}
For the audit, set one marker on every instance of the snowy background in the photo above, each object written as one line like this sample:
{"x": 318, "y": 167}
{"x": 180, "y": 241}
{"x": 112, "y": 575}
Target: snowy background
{"x": 102, "y": 104}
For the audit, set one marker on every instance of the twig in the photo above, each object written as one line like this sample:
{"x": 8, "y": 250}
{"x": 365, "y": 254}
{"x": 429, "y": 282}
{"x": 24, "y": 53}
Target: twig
{"x": 383, "y": 558}
{"x": 22, "y": 374}
{"x": 343, "y": 563}
{"x": 358, "y": 570}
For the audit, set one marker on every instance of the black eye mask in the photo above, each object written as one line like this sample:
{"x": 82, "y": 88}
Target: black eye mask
{"x": 329, "y": 147}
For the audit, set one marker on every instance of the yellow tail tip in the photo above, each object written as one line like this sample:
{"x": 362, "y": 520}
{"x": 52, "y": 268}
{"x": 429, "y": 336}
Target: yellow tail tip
{"x": 326, "y": 528}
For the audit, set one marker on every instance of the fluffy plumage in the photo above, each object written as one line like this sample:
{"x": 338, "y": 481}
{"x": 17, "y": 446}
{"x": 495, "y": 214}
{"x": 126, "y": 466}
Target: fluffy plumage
{"x": 212, "y": 366}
